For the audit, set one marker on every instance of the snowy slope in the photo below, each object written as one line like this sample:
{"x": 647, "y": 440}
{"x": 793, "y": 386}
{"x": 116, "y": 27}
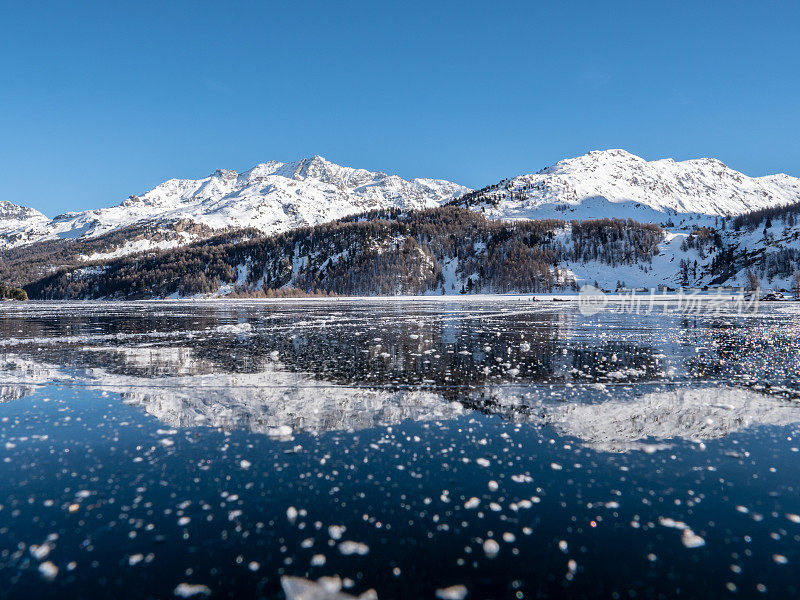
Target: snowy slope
{"x": 615, "y": 183}
{"x": 18, "y": 223}
{"x": 272, "y": 197}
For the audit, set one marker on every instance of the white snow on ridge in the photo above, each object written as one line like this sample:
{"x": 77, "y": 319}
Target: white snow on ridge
{"x": 616, "y": 183}
{"x": 272, "y": 197}
{"x": 16, "y": 223}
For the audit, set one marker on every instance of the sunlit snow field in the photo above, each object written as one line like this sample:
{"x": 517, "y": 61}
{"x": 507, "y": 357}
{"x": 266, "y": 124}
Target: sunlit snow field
{"x": 490, "y": 448}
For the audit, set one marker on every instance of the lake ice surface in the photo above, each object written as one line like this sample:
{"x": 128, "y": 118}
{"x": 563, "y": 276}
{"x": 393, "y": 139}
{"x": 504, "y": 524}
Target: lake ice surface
{"x": 398, "y": 449}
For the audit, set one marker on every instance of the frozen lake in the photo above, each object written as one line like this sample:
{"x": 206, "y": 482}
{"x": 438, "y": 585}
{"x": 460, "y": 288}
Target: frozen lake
{"x": 420, "y": 449}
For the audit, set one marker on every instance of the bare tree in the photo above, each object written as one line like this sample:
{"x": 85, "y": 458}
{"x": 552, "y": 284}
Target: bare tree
{"x": 796, "y": 285}
{"x": 753, "y": 284}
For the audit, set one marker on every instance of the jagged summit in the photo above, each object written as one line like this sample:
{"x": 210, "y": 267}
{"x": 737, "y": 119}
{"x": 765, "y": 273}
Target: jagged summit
{"x": 15, "y": 212}
{"x": 271, "y": 197}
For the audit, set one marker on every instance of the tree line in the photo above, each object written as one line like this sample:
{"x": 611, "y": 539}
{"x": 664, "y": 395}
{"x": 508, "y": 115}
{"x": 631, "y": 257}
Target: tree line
{"x": 384, "y": 252}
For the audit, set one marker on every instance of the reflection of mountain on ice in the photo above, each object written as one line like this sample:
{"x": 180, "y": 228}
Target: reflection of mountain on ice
{"x": 270, "y": 400}
{"x": 13, "y": 392}
{"x": 266, "y": 402}
{"x": 276, "y": 401}
{"x": 640, "y": 423}
{"x": 19, "y": 377}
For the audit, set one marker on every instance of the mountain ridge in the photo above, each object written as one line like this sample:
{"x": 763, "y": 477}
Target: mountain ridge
{"x": 585, "y": 186}
{"x": 620, "y": 184}
{"x": 690, "y": 199}
{"x": 271, "y": 197}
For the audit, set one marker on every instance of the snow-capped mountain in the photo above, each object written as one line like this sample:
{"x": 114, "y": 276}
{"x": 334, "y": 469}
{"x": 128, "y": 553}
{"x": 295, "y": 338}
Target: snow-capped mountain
{"x": 686, "y": 198}
{"x": 274, "y": 197}
{"x": 271, "y": 197}
{"x": 615, "y": 183}
{"x": 16, "y": 221}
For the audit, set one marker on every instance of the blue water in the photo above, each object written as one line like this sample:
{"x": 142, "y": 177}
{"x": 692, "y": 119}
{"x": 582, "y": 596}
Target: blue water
{"x": 619, "y": 456}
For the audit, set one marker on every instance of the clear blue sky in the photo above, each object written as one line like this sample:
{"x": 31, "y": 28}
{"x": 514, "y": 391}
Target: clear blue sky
{"x": 102, "y": 100}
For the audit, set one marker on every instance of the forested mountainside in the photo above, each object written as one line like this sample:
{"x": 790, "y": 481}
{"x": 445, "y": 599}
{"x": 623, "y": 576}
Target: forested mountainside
{"x": 447, "y": 250}
{"x": 443, "y": 250}
{"x": 763, "y": 245}
{"x": 25, "y": 264}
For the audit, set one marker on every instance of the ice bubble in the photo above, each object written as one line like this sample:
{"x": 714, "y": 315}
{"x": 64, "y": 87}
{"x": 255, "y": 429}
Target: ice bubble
{"x": 190, "y": 590}
{"x": 326, "y": 588}
{"x": 491, "y": 548}
{"x": 780, "y": 559}
{"x": 691, "y": 540}
{"x": 239, "y": 329}
{"x": 291, "y": 514}
{"x": 281, "y": 432}
{"x": 48, "y": 570}
{"x": 349, "y": 547}
{"x": 40, "y": 552}
{"x": 454, "y": 592}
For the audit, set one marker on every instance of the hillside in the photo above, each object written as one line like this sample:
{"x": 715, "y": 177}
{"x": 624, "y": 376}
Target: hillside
{"x": 434, "y": 251}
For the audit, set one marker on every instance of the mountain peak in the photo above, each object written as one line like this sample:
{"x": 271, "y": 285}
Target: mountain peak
{"x": 316, "y": 167}
{"x": 14, "y": 212}
{"x": 272, "y": 197}
{"x": 224, "y": 174}
{"x": 615, "y": 182}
